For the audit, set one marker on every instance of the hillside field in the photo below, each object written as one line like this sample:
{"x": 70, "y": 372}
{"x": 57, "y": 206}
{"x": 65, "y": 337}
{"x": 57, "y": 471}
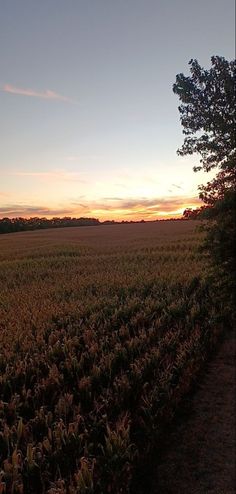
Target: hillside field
{"x": 102, "y": 331}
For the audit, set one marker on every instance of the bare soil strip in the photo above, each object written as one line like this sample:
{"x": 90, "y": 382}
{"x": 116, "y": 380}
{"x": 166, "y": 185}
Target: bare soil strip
{"x": 200, "y": 455}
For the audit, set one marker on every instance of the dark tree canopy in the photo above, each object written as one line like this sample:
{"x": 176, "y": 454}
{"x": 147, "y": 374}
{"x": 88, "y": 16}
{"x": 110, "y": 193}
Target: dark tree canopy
{"x": 207, "y": 113}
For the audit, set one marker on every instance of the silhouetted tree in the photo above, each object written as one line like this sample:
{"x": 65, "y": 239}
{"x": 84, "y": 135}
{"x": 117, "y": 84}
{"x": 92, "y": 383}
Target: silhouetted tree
{"x": 207, "y": 114}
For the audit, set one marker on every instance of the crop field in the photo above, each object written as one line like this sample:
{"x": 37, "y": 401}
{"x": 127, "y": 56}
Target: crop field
{"x": 102, "y": 331}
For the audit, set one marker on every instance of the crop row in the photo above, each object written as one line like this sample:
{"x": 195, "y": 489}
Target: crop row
{"x": 95, "y": 357}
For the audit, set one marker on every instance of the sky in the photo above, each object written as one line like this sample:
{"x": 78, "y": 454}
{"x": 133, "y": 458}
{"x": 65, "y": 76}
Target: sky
{"x": 89, "y": 124}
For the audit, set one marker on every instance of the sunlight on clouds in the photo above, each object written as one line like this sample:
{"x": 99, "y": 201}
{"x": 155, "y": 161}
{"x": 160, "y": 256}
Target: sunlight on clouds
{"x": 105, "y": 196}
{"x": 129, "y": 209}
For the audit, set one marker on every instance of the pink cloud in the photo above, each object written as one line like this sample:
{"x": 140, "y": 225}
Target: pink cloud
{"x": 143, "y": 208}
{"x": 138, "y": 208}
{"x": 47, "y": 94}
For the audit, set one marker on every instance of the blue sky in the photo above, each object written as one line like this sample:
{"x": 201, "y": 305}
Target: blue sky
{"x": 89, "y": 124}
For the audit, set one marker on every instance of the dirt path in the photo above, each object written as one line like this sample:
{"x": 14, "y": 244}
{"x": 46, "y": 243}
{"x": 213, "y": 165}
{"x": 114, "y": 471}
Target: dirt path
{"x": 200, "y": 453}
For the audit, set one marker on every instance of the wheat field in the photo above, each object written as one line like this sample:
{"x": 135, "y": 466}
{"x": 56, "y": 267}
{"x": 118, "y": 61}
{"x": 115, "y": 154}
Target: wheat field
{"x": 102, "y": 331}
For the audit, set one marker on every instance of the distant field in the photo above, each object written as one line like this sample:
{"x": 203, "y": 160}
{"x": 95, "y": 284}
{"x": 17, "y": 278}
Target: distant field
{"x": 102, "y": 330}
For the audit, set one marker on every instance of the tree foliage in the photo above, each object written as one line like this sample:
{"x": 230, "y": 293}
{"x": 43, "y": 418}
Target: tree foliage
{"x": 207, "y": 114}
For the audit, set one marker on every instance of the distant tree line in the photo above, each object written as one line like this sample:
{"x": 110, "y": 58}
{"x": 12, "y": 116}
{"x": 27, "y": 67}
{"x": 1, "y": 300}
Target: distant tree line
{"x": 10, "y": 225}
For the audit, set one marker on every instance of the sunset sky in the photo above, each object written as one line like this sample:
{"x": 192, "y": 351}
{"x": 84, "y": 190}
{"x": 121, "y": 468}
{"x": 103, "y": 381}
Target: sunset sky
{"x": 89, "y": 125}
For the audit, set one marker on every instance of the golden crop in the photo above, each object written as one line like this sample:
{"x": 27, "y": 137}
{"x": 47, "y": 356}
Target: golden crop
{"x": 102, "y": 330}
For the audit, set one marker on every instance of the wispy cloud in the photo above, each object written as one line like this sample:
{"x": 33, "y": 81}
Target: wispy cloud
{"x": 156, "y": 205}
{"x": 108, "y": 208}
{"x": 177, "y": 186}
{"x": 47, "y": 94}
{"x": 80, "y": 157}
{"x": 122, "y": 186}
{"x": 112, "y": 199}
{"x": 138, "y": 208}
{"x": 14, "y": 210}
{"x": 56, "y": 175}
{"x": 73, "y": 158}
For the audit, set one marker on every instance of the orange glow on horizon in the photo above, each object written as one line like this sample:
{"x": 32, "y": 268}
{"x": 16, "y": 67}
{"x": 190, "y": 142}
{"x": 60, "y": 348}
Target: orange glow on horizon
{"x": 130, "y": 210}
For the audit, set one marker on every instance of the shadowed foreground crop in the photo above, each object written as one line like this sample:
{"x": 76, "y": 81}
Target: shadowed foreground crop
{"x": 102, "y": 331}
